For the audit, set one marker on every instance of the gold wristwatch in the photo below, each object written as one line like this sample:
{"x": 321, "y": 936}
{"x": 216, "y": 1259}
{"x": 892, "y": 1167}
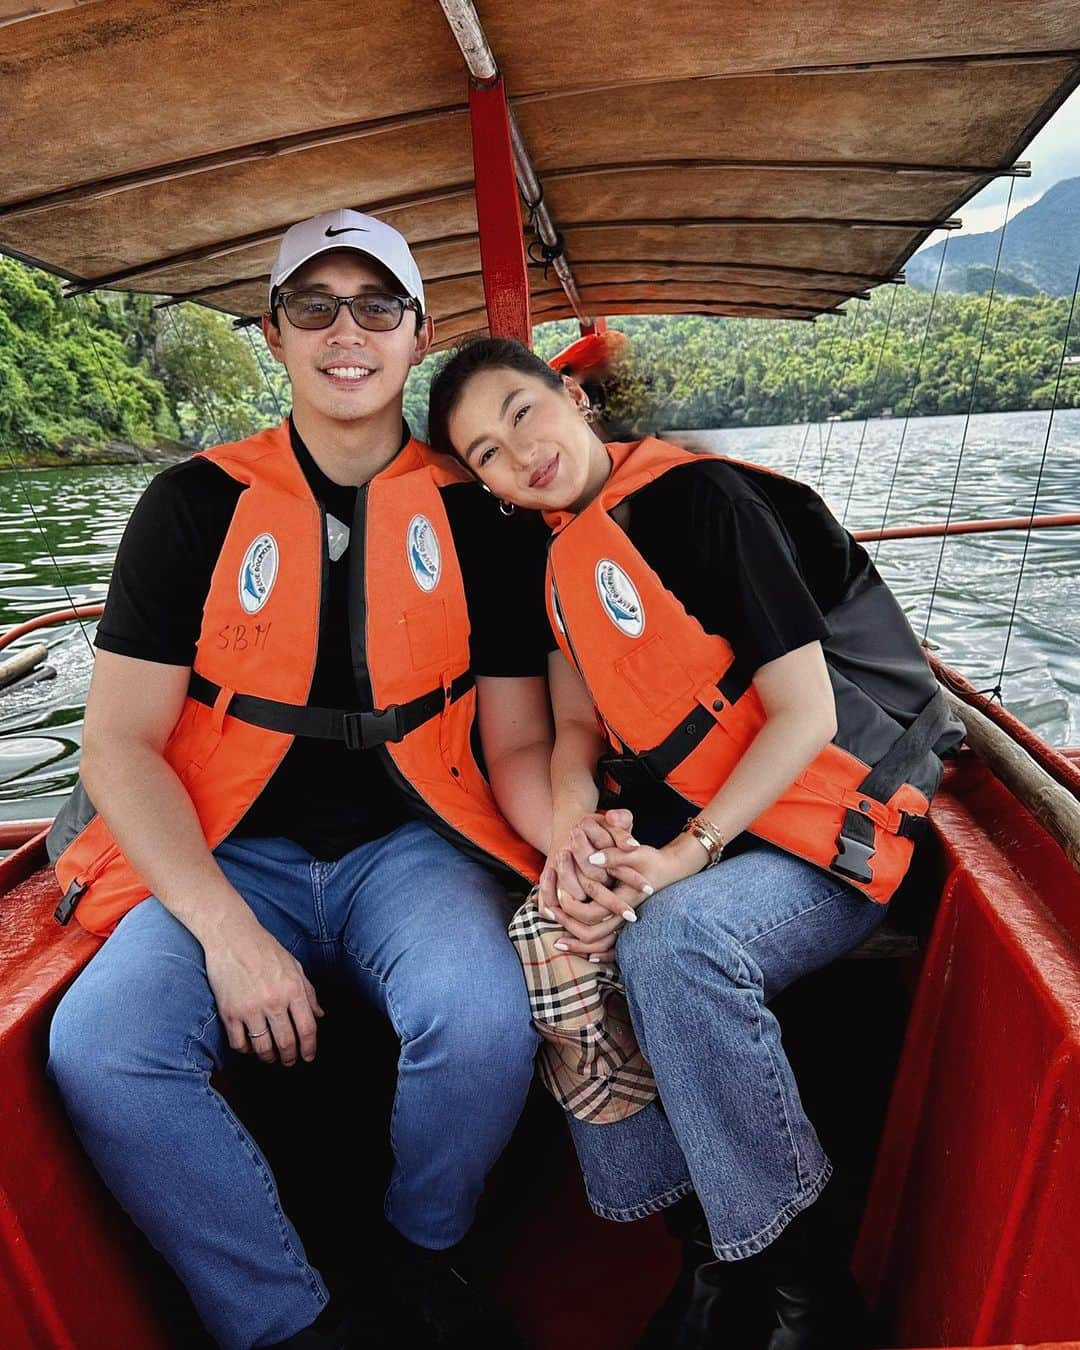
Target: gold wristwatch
{"x": 708, "y": 836}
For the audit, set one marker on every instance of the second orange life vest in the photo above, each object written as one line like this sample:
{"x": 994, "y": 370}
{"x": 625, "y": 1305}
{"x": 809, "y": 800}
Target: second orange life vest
{"x": 676, "y": 710}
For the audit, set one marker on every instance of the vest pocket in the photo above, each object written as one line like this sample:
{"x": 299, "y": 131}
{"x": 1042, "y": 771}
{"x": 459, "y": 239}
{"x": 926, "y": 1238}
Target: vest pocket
{"x": 425, "y": 627}
{"x": 656, "y": 675}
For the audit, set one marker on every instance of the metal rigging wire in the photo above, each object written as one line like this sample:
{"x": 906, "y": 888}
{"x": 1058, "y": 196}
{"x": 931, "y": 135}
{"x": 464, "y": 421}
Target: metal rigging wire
{"x": 208, "y": 407}
{"x": 262, "y": 371}
{"x": 846, "y": 371}
{"x": 48, "y": 548}
{"x": 911, "y": 392}
{"x": 873, "y": 391}
{"x": 806, "y": 410}
{"x": 971, "y": 405}
{"x": 837, "y": 329}
{"x": 89, "y": 333}
{"x": 1038, "y": 484}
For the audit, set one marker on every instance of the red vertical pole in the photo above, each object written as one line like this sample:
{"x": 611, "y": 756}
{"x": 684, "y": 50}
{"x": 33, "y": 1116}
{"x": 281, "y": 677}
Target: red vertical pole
{"x": 502, "y": 242}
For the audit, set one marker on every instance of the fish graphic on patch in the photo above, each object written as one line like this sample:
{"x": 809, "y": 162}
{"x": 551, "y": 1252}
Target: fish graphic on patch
{"x": 619, "y": 610}
{"x": 420, "y": 563}
{"x": 423, "y": 553}
{"x": 249, "y": 587}
{"x": 619, "y": 598}
{"x": 258, "y": 572}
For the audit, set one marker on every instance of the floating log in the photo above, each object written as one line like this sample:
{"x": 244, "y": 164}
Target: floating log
{"x": 36, "y": 676}
{"x": 22, "y": 663}
{"x": 1053, "y": 806}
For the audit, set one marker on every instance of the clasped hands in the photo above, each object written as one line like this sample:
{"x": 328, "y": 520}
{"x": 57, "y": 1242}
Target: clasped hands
{"x": 594, "y": 884}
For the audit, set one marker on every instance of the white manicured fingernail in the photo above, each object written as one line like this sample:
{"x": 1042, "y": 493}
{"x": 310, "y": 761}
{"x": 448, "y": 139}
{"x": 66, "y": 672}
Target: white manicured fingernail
{"x": 646, "y": 889}
{"x": 632, "y": 842}
{"x": 561, "y": 947}
{"x": 629, "y": 916}
{"x": 597, "y": 859}
{"x": 595, "y": 960}
{"x": 547, "y": 913}
{"x": 561, "y": 895}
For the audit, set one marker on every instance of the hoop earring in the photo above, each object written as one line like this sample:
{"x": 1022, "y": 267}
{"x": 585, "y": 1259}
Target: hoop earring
{"x": 507, "y": 508}
{"x": 589, "y": 413}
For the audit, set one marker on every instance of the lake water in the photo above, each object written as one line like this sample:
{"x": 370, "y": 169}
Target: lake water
{"x": 59, "y": 529}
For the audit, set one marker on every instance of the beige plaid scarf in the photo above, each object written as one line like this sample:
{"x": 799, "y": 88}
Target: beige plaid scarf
{"x": 589, "y": 1061}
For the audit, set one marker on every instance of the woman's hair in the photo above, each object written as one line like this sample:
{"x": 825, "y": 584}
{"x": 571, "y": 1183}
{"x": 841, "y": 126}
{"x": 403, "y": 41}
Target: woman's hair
{"x": 481, "y": 354}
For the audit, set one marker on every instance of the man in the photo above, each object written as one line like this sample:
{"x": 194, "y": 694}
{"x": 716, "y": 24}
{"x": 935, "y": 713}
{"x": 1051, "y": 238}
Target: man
{"x": 278, "y": 741}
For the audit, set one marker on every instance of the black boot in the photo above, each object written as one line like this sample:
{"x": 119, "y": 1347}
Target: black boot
{"x": 713, "y": 1304}
{"x": 438, "y": 1303}
{"x": 332, "y": 1330}
{"x": 815, "y": 1298}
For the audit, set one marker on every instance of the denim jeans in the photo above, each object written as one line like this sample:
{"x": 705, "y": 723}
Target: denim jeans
{"x": 700, "y": 965}
{"x": 420, "y": 930}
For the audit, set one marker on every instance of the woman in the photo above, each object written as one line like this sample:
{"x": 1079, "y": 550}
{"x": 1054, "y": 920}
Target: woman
{"x": 751, "y": 670}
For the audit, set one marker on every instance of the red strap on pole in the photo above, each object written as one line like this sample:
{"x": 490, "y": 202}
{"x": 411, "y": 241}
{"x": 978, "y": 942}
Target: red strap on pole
{"x": 502, "y": 242}
{"x": 45, "y": 620}
{"x": 967, "y": 527}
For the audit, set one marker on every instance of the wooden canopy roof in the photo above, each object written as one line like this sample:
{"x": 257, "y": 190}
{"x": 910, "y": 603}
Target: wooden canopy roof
{"x": 719, "y": 158}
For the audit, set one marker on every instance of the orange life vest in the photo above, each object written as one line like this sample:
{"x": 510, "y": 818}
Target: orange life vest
{"x": 675, "y": 709}
{"x": 255, "y": 661}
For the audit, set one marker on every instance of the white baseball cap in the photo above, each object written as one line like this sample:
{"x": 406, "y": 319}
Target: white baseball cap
{"x": 347, "y": 229}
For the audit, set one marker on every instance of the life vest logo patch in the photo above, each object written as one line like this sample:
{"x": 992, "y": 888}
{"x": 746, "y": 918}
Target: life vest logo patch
{"x": 423, "y": 552}
{"x": 258, "y": 572}
{"x": 621, "y": 602}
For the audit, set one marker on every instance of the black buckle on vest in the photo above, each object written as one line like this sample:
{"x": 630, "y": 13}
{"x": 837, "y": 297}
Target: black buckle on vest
{"x": 627, "y": 770}
{"x": 853, "y": 860}
{"x": 912, "y": 826}
{"x": 365, "y": 730}
{"x": 66, "y": 908}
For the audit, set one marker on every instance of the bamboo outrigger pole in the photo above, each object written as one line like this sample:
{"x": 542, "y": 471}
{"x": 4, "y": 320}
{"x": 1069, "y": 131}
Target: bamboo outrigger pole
{"x": 484, "y": 73}
{"x": 1053, "y": 806}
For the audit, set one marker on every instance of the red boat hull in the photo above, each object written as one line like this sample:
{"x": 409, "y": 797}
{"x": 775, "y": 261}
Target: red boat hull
{"x": 968, "y": 1237}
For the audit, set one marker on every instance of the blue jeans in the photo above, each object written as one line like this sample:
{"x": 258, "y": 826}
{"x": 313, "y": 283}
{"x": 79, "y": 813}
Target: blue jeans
{"x": 700, "y": 966}
{"x": 420, "y": 930}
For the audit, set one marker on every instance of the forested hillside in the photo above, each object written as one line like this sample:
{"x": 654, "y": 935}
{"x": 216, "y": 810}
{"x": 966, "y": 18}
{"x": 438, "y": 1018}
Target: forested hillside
{"x": 693, "y": 372}
{"x": 76, "y": 375}
{"x": 112, "y": 368}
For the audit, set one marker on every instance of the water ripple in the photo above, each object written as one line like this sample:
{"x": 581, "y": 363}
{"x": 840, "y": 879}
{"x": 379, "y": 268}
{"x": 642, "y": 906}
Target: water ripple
{"x": 83, "y": 512}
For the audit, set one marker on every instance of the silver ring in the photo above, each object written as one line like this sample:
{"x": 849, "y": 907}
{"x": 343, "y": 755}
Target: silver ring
{"x": 252, "y": 1034}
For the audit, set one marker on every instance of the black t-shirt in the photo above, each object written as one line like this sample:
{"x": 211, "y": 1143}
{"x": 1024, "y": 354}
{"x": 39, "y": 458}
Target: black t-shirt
{"x": 323, "y": 796}
{"x": 716, "y": 540}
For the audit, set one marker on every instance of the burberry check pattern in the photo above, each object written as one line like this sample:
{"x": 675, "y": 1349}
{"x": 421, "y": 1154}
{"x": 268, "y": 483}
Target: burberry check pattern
{"x": 589, "y": 1060}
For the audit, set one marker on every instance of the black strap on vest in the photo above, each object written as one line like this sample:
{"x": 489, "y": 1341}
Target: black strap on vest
{"x": 657, "y": 764}
{"x": 857, "y": 834}
{"x": 358, "y": 730}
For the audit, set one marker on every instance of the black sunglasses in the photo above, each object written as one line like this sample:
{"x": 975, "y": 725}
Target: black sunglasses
{"x": 377, "y": 311}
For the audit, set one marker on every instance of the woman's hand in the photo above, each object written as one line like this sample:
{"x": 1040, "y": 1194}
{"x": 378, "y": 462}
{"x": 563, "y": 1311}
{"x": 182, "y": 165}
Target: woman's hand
{"x": 567, "y": 869}
{"x": 584, "y": 898}
{"x": 649, "y": 870}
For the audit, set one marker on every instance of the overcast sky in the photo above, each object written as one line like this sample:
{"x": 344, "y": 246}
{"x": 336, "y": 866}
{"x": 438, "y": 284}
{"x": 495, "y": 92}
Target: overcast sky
{"x": 1054, "y": 155}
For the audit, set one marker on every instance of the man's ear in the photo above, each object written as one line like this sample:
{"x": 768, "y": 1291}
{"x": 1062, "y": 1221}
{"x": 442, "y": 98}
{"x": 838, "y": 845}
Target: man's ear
{"x": 272, "y": 334}
{"x": 425, "y": 336}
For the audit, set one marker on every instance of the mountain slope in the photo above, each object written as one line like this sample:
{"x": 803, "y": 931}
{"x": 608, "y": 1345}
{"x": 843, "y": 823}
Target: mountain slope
{"x": 1042, "y": 248}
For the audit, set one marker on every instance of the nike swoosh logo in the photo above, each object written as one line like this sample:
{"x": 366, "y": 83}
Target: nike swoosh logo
{"x": 349, "y": 229}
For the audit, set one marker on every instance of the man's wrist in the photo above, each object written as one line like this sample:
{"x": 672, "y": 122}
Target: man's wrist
{"x": 220, "y": 917}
